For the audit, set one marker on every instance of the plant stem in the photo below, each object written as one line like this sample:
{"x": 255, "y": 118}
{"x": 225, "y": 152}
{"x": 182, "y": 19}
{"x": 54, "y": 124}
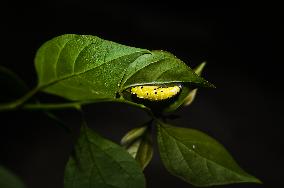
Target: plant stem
{"x": 77, "y": 105}
{"x": 17, "y": 103}
{"x": 50, "y": 106}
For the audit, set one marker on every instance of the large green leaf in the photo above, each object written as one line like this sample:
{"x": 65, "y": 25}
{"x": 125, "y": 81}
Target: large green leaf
{"x": 83, "y": 67}
{"x": 9, "y": 180}
{"x": 197, "y": 158}
{"x": 98, "y": 162}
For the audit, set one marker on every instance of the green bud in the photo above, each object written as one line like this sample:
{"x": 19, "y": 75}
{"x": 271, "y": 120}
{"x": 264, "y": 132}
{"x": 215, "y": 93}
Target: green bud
{"x": 133, "y": 135}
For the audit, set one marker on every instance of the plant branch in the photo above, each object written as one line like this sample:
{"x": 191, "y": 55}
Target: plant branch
{"x": 19, "y": 102}
{"x": 77, "y": 105}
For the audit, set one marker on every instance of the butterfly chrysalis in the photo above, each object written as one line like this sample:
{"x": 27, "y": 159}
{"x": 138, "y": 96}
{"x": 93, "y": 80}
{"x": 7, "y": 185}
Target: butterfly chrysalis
{"x": 155, "y": 93}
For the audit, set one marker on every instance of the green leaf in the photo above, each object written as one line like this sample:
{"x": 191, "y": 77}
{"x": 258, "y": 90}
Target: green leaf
{"x": 188, "y": 93}
{"x": 132, "y": 135}
{"x": 9, "y": 180}
{"x": 199, "y": 69}
{"x": 83, "y": 67}
{"x": 98, "y": 162}
{"x": 180, "y": 99}
{"x": 191, "y": 95}
{"x": 197, "y": 158}
{"x": 160, "y": 67}
{"x": 138, "y": 143}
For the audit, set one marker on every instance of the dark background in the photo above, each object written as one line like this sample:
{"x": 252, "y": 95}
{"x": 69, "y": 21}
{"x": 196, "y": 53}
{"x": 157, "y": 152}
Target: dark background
{"x": 238, "y": 41}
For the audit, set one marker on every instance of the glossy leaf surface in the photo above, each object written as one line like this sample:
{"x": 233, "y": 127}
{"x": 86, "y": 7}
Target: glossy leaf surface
{"x": 197, "y": 158}
{"x": 83, "y": 67}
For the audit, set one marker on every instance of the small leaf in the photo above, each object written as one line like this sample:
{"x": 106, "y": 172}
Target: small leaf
{"x": 83, "y": 67}
{"x": 98, "y": 162}
{"x": 138, "y": 143}
{"x": 187, "y": 95}
{"x": 9, "y": 180}
{"x": 197, "y": 158}
{"x": 133, "y": 135}
{"x": 199, "y": 69}
{"x": 191, "y": 95}
{"x": 145, "y": 150}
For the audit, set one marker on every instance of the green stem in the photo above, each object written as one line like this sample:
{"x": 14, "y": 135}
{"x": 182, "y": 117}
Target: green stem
{"x": 50, "y": 106}
{"x": 17, "y": 103}
{"x": 77, "y": 105}
{"x": 20, "y": 103}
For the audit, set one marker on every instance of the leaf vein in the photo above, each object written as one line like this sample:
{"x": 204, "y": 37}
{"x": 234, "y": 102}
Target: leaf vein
{"x": 59, "y": 55}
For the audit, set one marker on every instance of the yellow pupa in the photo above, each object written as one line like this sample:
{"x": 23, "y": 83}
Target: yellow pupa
{"x": 155, "y": 93}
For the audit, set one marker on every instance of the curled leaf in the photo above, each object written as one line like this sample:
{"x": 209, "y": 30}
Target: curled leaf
{"x": 84, "y": 67}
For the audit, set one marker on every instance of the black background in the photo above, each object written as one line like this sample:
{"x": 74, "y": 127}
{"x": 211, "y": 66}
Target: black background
{"x": 238, "y": 41}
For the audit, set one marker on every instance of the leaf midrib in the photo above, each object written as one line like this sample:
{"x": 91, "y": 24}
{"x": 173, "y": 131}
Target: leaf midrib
{"x": 83, "y": 49}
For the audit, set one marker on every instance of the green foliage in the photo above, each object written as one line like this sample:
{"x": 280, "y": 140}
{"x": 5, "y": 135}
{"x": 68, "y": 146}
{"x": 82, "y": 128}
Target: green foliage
{"x": 197, "y": 158}
{"x": 89, "y": 68}
{"x": 98, "y": 162}
{"x": 86, "y": 69}
{"x": 9, "y": 180}
{"x": 138, "y": 143}
{"x": 191, "y": 95}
